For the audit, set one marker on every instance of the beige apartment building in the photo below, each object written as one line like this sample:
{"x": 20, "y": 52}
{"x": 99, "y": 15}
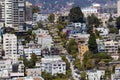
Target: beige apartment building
{"x": 118, "y": 7}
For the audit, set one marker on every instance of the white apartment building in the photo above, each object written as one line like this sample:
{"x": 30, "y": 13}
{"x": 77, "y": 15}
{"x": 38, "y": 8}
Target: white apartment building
{"x": 43, "y": 38}
{"x": 89, "y": 10}
{"x": 28, "y": 11}
{"x": 6, "y": 65}
{"x": 79, "y": 25}
{"x": 116, "y": 76}
{"x": 7, "y": 12}
{"x": 29, "y": 51}
{"x": 52, "y": 65}
{"x": 9, "y": 69}
{"x": 10, "y": 47}
{"x": 110, "y": 47}
{"x": 5, "y": 68}
{"x": 4, "y": 74}
{"x": 13, "y": 13}
{"x": 103, "y": 30}
{"x": 33, "y": 72}
{"x": 95, "y": 75}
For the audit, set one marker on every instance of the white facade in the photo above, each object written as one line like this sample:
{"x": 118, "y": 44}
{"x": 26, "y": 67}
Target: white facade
{"x": 10, "y": 47}
{"x": 81, "y": 37}
{"x": 33, "y": 72}
{"x": 78, "y": 25}
{"x": 4, "y": 74}
{"x": 7, "y": 69}
{"x": 43, "y": 38}
{"x": 6, "y": 65}
{"x": 110, "y": 47}
{"x": 103, "y": 30}
{"x": 95, "y": 75}
{"x": 89, "y": 10}
{"x": 52, "y": 64}
{"x": 13, "y": 13}
{"x": 8, "y": 13}
{"x": 116, "y": 76}
{"x": 29, "y": 51}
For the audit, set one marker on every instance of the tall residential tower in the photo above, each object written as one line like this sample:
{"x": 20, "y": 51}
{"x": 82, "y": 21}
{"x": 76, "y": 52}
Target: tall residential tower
{"x": 13, "y": 13}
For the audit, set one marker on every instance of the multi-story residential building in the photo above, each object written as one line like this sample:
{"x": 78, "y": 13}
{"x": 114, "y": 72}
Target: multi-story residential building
{"x": 95, "y": 75}
{"x": 13, "y": 13}
{"x": 43, "y": 38}
{"x": 33, "y": 72}
{"x": 17, "y": 69}
{"x": 28, "y": 11}
{"x": 29, "y": 51}
{"x": 9, "y": 69}
{"x": 4, "y": 74}
{"x": 110, "y": 47}
{"x": 100, "y": 44}
{"x": 6, "y": 65}
{"x": 10, "y": 46}
{"x": 90, "y": 10}
{"x": 118, "y": 7}
{"x": 116, "y": 76}
{"x": 6, "y": 10}
{"x": 20, "y": 49}
{"x": 52, "y": 64}
{"x": 103, "y": 30}
{"x": 81, "y": 37}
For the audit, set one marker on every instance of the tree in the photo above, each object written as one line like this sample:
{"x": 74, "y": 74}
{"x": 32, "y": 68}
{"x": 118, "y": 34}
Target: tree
{"x": 93, "y": 21}
{"x": 68, "y": 70}
{"x": 31, "y": 63}
{"x": 113, "y": 30}
{"x": 51, "y": 17}
{"x": 76, "y": 15}
{"x": 39, "y": 24}
{"x": 88, "y": 64}
{"x": 35, "y": 9}
{"x": 72, "y": 45}
{"x": 110, "y": 18}
{"x": 47, "y": 76}
{"x": 33, "y": 59}
{"x": 108, "y": 73}
{"x": 118, "y": 22}
{"x": 78, "y": 65}
{"x": 87, "y": 61}
{"x": 92, "y": 43}
{"x": 60, "y": 27}
{"x": 97, "y": 34}
{"x": 9, "y": 30}
{"x": 83, "y": 75}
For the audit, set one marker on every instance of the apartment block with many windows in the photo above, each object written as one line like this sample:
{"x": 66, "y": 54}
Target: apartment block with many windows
{"x": 13, "y": 13}
{"x": 10, "y": 46}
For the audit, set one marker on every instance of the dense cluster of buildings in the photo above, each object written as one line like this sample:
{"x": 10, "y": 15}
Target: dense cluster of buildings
{"x": 17, "y": 14}
{"x": 11, "y": 66}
